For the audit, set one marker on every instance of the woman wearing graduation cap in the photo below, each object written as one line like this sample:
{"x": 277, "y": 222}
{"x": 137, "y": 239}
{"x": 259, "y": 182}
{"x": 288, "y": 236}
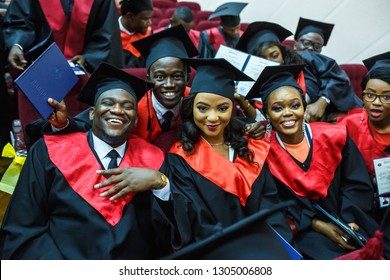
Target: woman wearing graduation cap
{"x": 369, "y": 127}
{"x": 327, "y": 87}
{"x": 217, "y": 176}
{"x": 314, "y": 162}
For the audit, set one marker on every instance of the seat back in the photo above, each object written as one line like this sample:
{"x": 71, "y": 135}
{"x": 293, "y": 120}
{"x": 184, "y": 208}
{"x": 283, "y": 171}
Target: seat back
{"x": 356, "y": 73}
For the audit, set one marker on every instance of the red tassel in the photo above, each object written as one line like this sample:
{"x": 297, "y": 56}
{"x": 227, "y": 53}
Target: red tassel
{"x": 373, "y": 250}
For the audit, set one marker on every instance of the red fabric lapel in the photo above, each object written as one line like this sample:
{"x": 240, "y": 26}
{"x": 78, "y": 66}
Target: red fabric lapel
{"x": 70, "y": 36}
{"x": 327, "y": 155}
{"x": 78, "y": 164}
{"x": 234, "y": 177}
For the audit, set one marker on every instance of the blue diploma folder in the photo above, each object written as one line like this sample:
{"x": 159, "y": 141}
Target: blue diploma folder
{"x": 50, "y": 75}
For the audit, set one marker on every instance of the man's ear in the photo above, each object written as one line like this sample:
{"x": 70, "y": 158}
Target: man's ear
{"x": 91, "y": 113}
{"x": 295, "y": 46}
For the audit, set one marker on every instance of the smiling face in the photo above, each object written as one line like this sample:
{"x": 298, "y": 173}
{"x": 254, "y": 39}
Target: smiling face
{"x": 286, "y": 113}
{"x": 114, "y": 116}
{"x": 378, "y": 113}
{"x": 168, "y": 76}
{"x": 212, "y": 113}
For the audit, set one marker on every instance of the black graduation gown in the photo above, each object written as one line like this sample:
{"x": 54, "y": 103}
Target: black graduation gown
{"x": 202, "y": 208}
{"x": 324, "y": 77}
{"x": 47, "y": 219}
{"x": 350, "y": 196}
{"x": 26, "y": 25}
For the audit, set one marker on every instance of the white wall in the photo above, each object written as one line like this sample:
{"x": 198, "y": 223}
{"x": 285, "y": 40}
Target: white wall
{"x": 362, "y": 27}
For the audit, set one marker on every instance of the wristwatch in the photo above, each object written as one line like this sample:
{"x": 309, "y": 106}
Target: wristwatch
{"x": 327, "y": 100}
{"x": 164, "y": 182}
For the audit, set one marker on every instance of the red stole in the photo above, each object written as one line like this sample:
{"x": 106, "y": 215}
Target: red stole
{"x": 195, "y": 37}
{"x": 127, "y": 39}
{"x": 358, "y": 130}
{"x": 235, "y": 177}
{"x": 216, "y": 38}
{"x": 78, "y": 165}
{"x": 141, "y": 129}
{"x": 69, "y": 36}
{"x": 327, "y": 145}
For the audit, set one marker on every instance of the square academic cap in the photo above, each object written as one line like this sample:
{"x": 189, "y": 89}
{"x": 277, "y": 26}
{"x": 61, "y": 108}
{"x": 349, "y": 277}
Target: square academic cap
{"x": 229, "y": 13}
{"x": 215, "y": 75}
{"x": 107, "y": 77}
{"x": 171, "y": 42}
{"x": 307, "y": 25}
{"x": 259, "y": 32}
{"x": 377, "y": 61}
{"x": 274, "y": 77}
{"x": 249, "y": 239}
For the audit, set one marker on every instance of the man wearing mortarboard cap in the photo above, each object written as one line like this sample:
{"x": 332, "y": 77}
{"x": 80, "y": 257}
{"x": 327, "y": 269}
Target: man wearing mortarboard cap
{"x": 369, "y": 127}
{"x": 218, "y": 177}
{"x": 312, "y": 35}
{"x": 135, "y": 23}
{"x": 226, "y": 34}
{"x": 62, "y": 215}
{"x": 163, "y": 52}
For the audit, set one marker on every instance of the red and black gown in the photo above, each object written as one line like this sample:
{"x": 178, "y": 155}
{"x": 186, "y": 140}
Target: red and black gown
{"x": 335, "y": 176}
{"x": 55, "y": 213}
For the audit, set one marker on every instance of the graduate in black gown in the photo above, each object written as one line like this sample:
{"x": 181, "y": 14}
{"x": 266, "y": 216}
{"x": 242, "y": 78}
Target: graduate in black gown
{"x": 87, "y": 32}
{"x": 218, "y": 176}
{"x": 55, "y": 211}
{"x": 328, "y": 88}
{"x": 314, "y": 162}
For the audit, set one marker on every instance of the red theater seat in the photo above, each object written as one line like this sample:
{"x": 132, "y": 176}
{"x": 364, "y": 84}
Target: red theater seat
{"x": 356, "y": 73}
{"x": 192, "y": 5}
{"x": 206, "y": 24}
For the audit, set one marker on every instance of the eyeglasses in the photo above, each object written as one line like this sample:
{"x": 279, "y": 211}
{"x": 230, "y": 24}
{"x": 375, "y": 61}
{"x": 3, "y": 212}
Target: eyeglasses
{"x": 307, "y": 44}
{"x": 371, "y": 97}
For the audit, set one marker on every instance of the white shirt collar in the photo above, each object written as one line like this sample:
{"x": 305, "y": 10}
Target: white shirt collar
{"x": 102, "y": 148}
{"x": 161, "y": 110}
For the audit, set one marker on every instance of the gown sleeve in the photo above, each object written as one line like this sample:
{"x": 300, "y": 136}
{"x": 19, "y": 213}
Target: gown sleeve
{"x": 25, "y": 233}
{"x": 324, "y": 77}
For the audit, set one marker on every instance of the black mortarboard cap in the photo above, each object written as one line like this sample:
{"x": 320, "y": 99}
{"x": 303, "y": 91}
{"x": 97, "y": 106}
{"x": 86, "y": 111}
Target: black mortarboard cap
{"x": 259, "y": 32}
{"x": 137, "y": 6}
{"x": 249, "y": 239}
{"x": 229, "y": 13}
{"x": 172, "y": 42}
{"x": 307, "y": 25}
{"x": 215, "y": 75}
{"x": 274, "y": 77}
{"x": 107, "y": 77}
{"x": 378, "y": 61}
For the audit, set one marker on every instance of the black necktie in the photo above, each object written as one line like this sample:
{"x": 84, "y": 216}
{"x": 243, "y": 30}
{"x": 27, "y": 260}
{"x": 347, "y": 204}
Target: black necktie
{"x": 114, "y": 156}
{"x": 166, "y": 121}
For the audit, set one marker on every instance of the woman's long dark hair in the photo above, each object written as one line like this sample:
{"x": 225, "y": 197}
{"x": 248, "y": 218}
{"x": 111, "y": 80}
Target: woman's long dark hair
{"x": 189, "y": 133}
{"x": 381, "y": 73}
{"x": 289, "y": 56}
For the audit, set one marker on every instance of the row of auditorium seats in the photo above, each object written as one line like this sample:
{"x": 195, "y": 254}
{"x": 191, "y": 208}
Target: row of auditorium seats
{"x": 27, "y": 113}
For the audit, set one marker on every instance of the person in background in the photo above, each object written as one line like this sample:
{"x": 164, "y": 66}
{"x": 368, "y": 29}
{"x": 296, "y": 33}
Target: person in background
{"x": 218, "y": 176}
{"x": 184, "y": 16}
{"x": 226, "y": 34}
{"x": 55, "y": 211}
{"x": 87, "y": 32}
{"x": 312, "y": 35}
{"x": 328, "y": 89}
{"x": 369, "y": 127}
{"x": 135, "y": 23}
{"x": 313, "y": 163}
